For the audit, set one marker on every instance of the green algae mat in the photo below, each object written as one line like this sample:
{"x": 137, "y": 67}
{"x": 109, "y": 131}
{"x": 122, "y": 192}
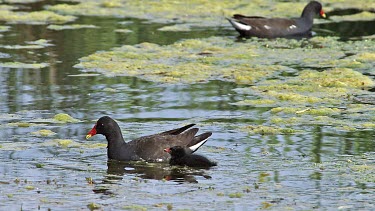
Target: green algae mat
{"x": 200, "y": 12}
{"x": 306, "y": 82}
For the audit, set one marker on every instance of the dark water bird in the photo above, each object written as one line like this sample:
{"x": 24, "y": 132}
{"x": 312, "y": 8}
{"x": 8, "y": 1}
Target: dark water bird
{"x": 255, "y": 26}
{"x": 146, "y": 148}
{"x": 183, "y": 156}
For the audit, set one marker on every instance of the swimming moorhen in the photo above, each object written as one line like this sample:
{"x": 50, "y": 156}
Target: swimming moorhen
{"x": 147, "y": 148}
{"x": 183, "y": 157}
{"x": 261, "y": 27}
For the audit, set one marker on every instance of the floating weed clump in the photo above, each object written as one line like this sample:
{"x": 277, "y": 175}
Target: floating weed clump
{"x": 64, "y": 118}
{"x": 23, "y": 65}
{"x": 4, "y": 28}
{"x": 39, "y": 17}
{"x": 73, "y": 26}
{"x": 43, "y": 133}
{"x": 267, "y": 130}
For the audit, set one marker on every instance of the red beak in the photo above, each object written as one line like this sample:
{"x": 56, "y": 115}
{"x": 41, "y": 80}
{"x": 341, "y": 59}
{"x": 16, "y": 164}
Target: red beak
{"x": 92, "y": 132}
{"x": 322, "y": 14}
{"x": 167, "y": 150}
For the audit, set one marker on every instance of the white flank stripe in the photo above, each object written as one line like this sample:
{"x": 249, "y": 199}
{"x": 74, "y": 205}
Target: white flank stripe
{"x": 199, "y": 144}
{"x": 240, "y": 26}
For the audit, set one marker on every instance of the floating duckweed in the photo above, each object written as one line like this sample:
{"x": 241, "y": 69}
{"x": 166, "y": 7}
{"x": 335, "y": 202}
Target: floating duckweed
{"x": 64, "y": 142}
{"x": 22, "y": 46}
{"x": 235, "y": 195}
{"x": 64, "y": 118}
{"x": 134, "y": 207}
{"x": 39, "y": 165}
{"x": 368, "y": 125}
{"x": 287, "y": 110}
{"x": 40, "y": 42}
{"x": 279, "y": 121}
{"x": 4, "y": 28}
{"x": 93, "y": 206}
{"x": 96, "y": 145}
{"x": 124, "y": 31}
{"x": 365, "y": 57}
{"x": 39, "y": 17}
{"x": 73, "y": 26}
{"x": 257, "y": 102}
{"x": 29, "y": 187}
{"x": 268, "y": 130}
{"x": 23, "y": 65}
{"x": 21, "y": 124}
{"x": 177, "y": 27}
{"x": 323, "y": 111}
{"x": 338, "y": 77}
{"x": 111, "y": 4}
{"x": 43, "y": 132}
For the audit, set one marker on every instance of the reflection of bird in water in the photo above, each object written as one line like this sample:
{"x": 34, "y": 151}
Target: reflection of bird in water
{"x": 159, "y": 171}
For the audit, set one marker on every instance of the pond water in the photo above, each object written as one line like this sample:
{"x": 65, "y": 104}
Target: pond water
{"x": 319, "y": 167}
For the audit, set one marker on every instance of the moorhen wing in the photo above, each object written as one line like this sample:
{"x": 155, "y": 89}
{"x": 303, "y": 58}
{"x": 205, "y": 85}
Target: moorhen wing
{"x": 255, "y": 26}
{"x": 147, "y": 148}
{"x": 183, "y": 156}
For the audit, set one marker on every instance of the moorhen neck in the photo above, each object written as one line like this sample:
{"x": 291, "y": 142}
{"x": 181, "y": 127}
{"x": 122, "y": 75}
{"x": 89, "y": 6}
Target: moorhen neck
{"x": 183, "y": 157}
{"x": 147, "y": 148}
{"x": 255, "y": 26}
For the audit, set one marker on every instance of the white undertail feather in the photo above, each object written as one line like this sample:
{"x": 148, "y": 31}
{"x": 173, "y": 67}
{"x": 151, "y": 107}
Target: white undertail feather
{"x": 239, "y": 26}
{"x": 197, "y": 145}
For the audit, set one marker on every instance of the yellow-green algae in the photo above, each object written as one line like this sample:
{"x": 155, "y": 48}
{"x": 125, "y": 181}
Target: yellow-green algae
{"x": 197, "y": 12}
{"x": 123, "y": 31}
{"x": 72, "y": 26}
{"x": 267, "y": 130}
{"x": 4, "y": 28}
{"x": 197, "y": 60}
{"x": 39, "y": 17}
{"x": 64, "y": 118}
{"x": 43, "y": 132}
{"x": 177, "y": 27}
{"x": 23, "y": 65}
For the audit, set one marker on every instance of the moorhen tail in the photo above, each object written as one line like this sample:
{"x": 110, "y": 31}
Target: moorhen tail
{"x": 183, "y": 156}
{"x": 147, "y": 148}
{"x": 255, "y": 26}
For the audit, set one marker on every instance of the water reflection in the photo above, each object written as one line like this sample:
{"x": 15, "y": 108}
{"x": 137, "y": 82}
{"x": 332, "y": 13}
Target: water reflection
{"x": 158, "y": 171}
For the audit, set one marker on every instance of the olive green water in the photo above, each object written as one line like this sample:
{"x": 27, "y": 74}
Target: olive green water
{"x": 292, "y": 121}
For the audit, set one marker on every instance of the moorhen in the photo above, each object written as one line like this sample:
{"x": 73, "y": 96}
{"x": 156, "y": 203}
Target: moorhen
{"x": 146, "y": 148}
{"x": 183, "y": 156}
{"x": 261, "y": 27}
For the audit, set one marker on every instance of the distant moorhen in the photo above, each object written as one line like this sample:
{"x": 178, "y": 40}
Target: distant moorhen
{"x": 147, "y": 148}
{"x": 183, "y": 157}
{"x": 256, "y": 26}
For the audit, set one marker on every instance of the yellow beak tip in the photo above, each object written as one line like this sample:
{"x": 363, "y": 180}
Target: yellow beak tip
{"x": 324, "y": 16}
{"x": 88, "y": 136}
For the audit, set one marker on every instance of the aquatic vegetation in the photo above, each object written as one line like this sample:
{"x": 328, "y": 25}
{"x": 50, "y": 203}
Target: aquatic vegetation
{"x": 64, "y": 118}
{"x": 44, "y": 133}
{"x": 4, "y": 28}
{"x": 177, "y": 27}
{"x": 199, "y": 60}
{"x": 261, "y": 129}
{"x": 123, "y": 31}
{"x": 40, "y": 42}
{"x": 73, "y": 26}
{"x": 39, "y": 17}
{"x": 23, "y": 65}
